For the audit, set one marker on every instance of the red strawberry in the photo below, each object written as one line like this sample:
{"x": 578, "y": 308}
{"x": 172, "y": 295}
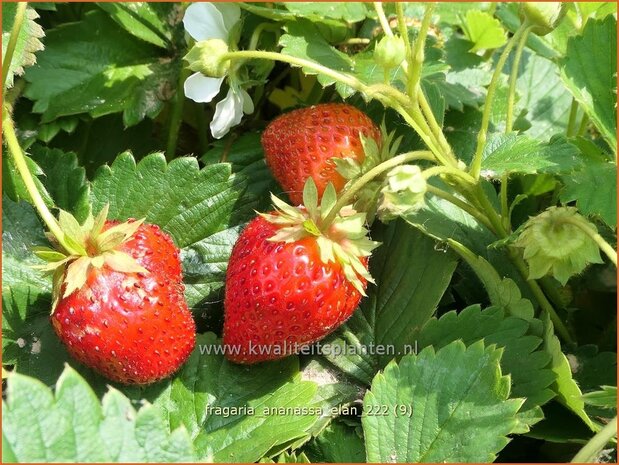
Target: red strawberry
{"x": 300, "y": 144}
{"x": 120, "y": 309}
{"x": 282, "y": 290}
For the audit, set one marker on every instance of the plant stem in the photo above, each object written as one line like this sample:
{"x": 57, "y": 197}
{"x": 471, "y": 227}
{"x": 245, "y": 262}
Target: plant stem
{"x": 418, "y": 54}
{"x": 19, "y": 158}
{"x": 571, "y": 122}
{"x": 583, "y": 124}
{"x": 436, "y": 170}
{"x": 460, "y": 204}
{"x": 590, "y": 451}
{"x": 485, "y": 120}
{"x": 511, "y": 98}
{"x": 504, "y": 203}
{"x": 176, "y": 117}
{"x": 595, "y": 236}
{"x": 255, "y": 37}
{"x": 382, "y": 18}
{"x": 20, "y": 14}
{"x": 435, "y": 128}
{"x": 349, "y": 193}
{"x": 403, "y": 30}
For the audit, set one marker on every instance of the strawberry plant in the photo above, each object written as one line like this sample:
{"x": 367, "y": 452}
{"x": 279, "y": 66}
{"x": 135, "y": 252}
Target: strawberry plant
{"x": 309, "y": 232}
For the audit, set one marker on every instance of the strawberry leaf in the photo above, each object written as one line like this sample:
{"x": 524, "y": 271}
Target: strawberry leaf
{"x": 433, "y": 401}
{"x": 406, "y": 295}
{"x": 589, "y": 70}
{"x": 71, "y": 425}
{"x": 119, "y": 74}
{"x": 524, "y": 357}
{"x": 27, "y": 40}
{"x": 208, "y": 382}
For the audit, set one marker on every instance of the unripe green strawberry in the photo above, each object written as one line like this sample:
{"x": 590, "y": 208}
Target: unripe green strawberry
{"x": 390, "y": 52}
{"x": 544, "y": 16}
{"x": 554, "y": 243}
{"x": 302, "y": 143}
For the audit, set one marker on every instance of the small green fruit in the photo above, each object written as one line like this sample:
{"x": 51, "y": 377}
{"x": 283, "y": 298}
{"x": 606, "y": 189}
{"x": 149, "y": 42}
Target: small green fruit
{"x": 545, "y": 16}
{"x": 403, "y": 193}
{"x": 555, "y": 244}
{"x": 390, "y": 52}
{"x": 205, "y": 58}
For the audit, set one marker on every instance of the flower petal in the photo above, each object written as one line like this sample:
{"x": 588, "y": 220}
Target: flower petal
{"x": 203, "y": 21}
{"x": 201, "y": 88}
{"x": 248, "y": 104}
{"x": 228, "y": 113}
{"x": 231, "y": 14}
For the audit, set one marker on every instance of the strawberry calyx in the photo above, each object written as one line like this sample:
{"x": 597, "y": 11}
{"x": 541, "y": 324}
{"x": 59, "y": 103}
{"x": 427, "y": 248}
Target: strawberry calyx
{"x": 86, "y": 245}
{"x": 343, "y": 240}
{"x": 351, "y": 169}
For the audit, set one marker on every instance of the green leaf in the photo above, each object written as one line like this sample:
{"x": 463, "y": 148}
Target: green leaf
{"x": 405, "y": 296}
{"x": 568, "y": 392}
{"x": 602, "y": 200}
{"x": 511, "y": 153}
{"x": 337, "y": 443}
{"x": 524, "y": 357}
{"x": 207, "y": 382}
{"x": 593, "y": 370}
{"x": 302, "y": 40}
{"x": 351, "y": 12}
{"x": 543, "y": 99}
{"x": 72, "y": 426}
{"x": 484, "y": 31}
{"x": 13, "y": 185}
{"x": 605, "y": 398}
{"x": 452, "y": 395}
{"x": 589, "y": 70}
{"x": 154, "y": 23}
{"x": 27, "y": 44}
{"x": 115, "y": 74}
{"x": 21, "y": 231}
{"x": 64, "y": 179}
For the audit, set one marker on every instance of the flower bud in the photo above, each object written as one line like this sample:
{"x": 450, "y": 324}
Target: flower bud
{"x": 545, "y": 16}
{"x": 403, "y": 193}
{"x": 390, "y": 52}
{"x": 554, "y": 244}
{"x": 205, "y": 58}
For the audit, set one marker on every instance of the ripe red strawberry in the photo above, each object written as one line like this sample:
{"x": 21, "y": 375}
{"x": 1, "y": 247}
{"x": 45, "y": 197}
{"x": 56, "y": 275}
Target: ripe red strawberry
{"x": 286, "y": 287}
{"x": 301, "y": 143}
{"x": 120, "y": 309}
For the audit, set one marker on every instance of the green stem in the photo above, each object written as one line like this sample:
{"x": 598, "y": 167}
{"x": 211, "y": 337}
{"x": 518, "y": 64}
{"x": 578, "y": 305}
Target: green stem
{"x": 595, "y": 236}
{"x": 20, "y": 14}
{"x": 460, "y": 204}
{"x": 583, "y": 124}
{"x": 177, "y": 114}
{"x": 382, "y": 18}
{"x": 435, "y": 129}
{"x": 19, "y": 158}
{"x": 349, "y": 193}
{"x": 403, "y": 30}
{"x": 418, "y": 54}
{"x": 437, "y": 170}
{"x": 511, "y": 98}
{"x": 571, "y": 122}
{"x": 485, "y": 120}
{"x": 590, "y": 451}
{"x": 504, "y": 203}
{"x": 255, "y": 37}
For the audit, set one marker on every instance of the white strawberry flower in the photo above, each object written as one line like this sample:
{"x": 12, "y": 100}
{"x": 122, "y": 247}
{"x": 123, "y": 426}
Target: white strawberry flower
{"x": 210, "y": 26}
